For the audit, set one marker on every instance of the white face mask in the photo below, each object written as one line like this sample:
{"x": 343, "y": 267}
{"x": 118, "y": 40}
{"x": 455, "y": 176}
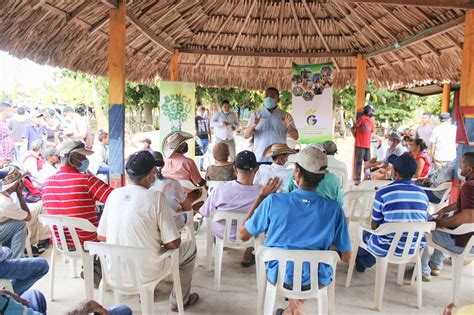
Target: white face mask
{"x": 389, "y": 142}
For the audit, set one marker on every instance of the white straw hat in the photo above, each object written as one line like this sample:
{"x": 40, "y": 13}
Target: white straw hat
{"x": 174, "y": 140}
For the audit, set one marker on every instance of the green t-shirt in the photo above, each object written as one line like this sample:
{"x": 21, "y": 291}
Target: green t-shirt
{"x": 330, "y": 187}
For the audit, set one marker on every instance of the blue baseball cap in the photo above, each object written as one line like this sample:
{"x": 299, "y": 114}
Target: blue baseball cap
{"x": 405, "y": 164}
{"x": 3, "y": 173}
{"x": 368, "y": 107}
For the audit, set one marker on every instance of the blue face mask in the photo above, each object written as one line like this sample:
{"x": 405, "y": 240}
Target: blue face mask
{"x": 84, "y": 166}
{"x": 371, "y": 115}
{"x": 269, "y": 102}
{"x": 226, "y": 113}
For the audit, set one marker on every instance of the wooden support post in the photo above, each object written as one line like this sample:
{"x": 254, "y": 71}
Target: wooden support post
{"x": 116, "y": 59}
{"x": 446, "y": 95}
{"x": 174, "y": 66}
{"x": 361, "y": 80}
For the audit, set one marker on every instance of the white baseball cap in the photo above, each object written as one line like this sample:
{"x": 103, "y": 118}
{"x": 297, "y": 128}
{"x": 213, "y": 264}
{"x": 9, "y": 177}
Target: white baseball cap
{"x": 312, "y": 159}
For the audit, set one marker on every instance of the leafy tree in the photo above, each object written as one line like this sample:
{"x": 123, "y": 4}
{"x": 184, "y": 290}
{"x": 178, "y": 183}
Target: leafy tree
{"x": 142, "y": 97}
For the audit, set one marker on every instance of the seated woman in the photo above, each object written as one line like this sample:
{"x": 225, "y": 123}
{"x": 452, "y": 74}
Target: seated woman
{"x": 223, "y": 170}
{"x": 177, "y": 197}
{"x": 417, "y": 147}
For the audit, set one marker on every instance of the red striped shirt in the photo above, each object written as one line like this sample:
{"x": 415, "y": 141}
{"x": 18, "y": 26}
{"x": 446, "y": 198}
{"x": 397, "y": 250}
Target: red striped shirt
{"x": 74, "y": 194}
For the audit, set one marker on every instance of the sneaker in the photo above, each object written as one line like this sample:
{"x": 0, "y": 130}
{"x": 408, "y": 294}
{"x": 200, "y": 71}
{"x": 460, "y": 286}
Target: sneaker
{"x": 426, "y": 278}
{"x": 435, "y": 271}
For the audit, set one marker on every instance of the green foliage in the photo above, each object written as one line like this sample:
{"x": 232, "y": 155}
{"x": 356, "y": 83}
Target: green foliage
{"x": 238, "y": 98}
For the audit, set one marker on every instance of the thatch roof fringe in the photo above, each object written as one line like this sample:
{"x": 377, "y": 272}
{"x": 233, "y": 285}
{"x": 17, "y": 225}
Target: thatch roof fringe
{"x": 234, "y": 43}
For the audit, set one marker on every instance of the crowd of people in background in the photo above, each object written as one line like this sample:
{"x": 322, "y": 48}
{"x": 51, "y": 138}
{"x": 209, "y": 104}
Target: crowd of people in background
{"x": 54, "y": 164}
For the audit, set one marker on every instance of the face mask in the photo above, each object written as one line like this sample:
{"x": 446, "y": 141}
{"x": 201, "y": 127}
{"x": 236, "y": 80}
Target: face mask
{"x": 410, "y": 148}
{"x": 84, "y": 166}
{"x": 389, "y": 142}
{"x": 269, "y": 102}
{"x": 371, "y": 115}
{"x": 226, "y": 113}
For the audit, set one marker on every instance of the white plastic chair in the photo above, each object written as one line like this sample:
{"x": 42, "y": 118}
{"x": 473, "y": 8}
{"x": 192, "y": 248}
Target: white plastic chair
{"x": 190, "y": 186}
{"x": 457, "y": 259}
{"x": 372, "y": 184}
{"x": 7, "y": 284}
{"x": 189, "y": 225}
{"x": 267, "y": 292}
{"x": 398, "y": 229}
{"x": 129, "y": 281}
{"x": 341, "y": 173}
{"x": 230, "y": 218}
{"x": 435, "y": 207}
{"x": 358, "y": 204}
{"x": 71, "y": 224}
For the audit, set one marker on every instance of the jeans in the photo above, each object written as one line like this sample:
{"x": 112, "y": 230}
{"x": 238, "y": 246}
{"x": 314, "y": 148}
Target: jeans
{"x": 23, "y": 272}
{"x": 436, "y": 261}
{"x": 365, "y": 258}
{"x": 13, "y": 234}
{"x": 36, "y": 300}
{"x": 361, "y": 155}
{"x": 204, "y": 144}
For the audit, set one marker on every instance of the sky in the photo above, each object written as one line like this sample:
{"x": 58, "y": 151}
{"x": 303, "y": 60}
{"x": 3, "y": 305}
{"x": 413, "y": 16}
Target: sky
{"x": 27, "y": 73}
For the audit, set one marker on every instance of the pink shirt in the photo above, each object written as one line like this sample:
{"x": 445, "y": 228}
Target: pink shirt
{"x": 177, "y": 166}
{"x": 229, "y": 196}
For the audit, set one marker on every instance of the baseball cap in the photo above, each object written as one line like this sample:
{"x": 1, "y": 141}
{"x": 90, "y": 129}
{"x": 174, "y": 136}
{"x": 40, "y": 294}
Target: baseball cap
{"x": 146, "y": 140}
{"x": 50, "y": 151}
{"x": 444, "y": 116}
{"x": 246, "y": 160}
{"x": 140, "y": 163}
{"x": 405, "y": 164}
{"x": 375, "y": 138}
{"x": 368, "y": 107}
{"x": 68, "y": 146}
{"x": 159, "y": 160}
{"x": 312, "y": 159}
{"x": 395, "y": 136}
{"x": 330, "y": 147}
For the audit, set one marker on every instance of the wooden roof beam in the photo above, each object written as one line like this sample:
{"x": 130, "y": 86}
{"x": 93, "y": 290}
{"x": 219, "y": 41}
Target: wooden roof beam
{"x": 75, "y": 13}
{"x": 148, "y": 33}
{"x": 213, "y": 40}
{"x": 355, "y": 27}
{"x": 454, "y": 40}
{"x": 98, "y": 25}
{"x": 280, "y": 23}
{"x": 318, "y": 30}
{"x": 298, "y": 27}
{"x": 432, "y": 32}
{"x": 267, "y": 54}
{"x": 453, "y": 4}
{"x": 112, "y": 4}
{"x": 37, "y": 5}
{"x": 240, "y": 32}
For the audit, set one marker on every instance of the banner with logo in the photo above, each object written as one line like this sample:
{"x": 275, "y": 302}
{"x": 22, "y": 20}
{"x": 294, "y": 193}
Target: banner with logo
{"x": 311, "y": 87}
{"x": 177, "y": 109}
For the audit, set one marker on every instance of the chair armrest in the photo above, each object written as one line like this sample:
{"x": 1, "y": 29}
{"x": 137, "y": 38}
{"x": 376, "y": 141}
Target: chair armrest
{"x": 462, "y": 229}
{"x": 443, "y": 186}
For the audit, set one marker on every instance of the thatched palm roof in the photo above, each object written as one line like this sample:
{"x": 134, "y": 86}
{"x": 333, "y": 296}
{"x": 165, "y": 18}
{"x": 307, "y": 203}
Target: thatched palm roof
{"x": 249, "y": 43}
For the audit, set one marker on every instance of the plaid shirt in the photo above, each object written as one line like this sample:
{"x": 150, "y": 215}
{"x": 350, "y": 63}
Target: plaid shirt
{"x": 7, "y": 146}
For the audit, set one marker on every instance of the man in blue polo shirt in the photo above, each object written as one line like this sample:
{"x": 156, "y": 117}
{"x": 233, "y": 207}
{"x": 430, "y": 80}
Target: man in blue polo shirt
{"x": 300, "y": 219}
{"x": 34, "y": 130}
{"x": 401, "y": 201}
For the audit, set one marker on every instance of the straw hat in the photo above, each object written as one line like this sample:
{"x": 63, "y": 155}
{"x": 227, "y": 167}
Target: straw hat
{"x": 277, "y": 149}
{"x": 13, "y": 176}
{"x": 174, "y": 140}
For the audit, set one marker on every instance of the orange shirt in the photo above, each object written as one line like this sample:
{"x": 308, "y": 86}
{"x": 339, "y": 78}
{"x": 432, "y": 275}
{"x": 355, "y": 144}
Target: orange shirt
{"x": 364, "y": 129}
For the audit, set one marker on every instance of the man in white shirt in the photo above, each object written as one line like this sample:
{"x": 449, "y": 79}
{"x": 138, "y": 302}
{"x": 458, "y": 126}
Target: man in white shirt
{"x": 330, "y": 148}
{"x": 51, "y": 160}
{"x": 99, "y": 160}
{"x": 279, "y": 153}
{"x": 443, "y": 142}
{"x": 78, "y": 125}
{"x": 225, "y": 123}
{"x": 139, "y": 217}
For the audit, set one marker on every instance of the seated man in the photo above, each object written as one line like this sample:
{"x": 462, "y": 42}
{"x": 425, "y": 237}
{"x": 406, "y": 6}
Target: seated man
{"x": 440, "y": 176}
{"x": 237, "y": 195}
{"x": 463, "y": 213}
{"x": 330, "y": 148}
{"x": 99, "y": 160}
{"x": 330, "y": 186}
{"x": 51, "y": 160}
{"x": 300, "y": 219}
{"x": 13, "y": 217}
{"x": 34, "y": 160}
{"x": 136, "y": 216}
{"x": 223, "y": 169}
{"x": 23, "y": 272}
{"x": 178, "y": 166}
{"x": 379, "y": 150}
{"x": 394, "y": 147}
{"x": 279, "y": 153}
{"x": 400, "y": 201}
{"x": 72, "y": 191}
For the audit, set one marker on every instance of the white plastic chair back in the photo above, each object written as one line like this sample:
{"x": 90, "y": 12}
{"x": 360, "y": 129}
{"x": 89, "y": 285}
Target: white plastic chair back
{"x": 457, "y": 259}
{"x": 298, "y": 257}
{"x": 60, "y": 225}
{"x": 190, "y": 186}
{"x": 435, "y": 207}
{"x": 128, "y": 280}
{"x": 358, "y": 204}
{"x": 373, "y": 184}
{"x": 341, "y": 173}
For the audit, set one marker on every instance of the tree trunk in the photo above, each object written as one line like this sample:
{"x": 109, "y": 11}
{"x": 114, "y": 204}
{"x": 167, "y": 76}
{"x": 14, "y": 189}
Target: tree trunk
{"x": 102, "y": 121}
{"x": 149, "y": 113}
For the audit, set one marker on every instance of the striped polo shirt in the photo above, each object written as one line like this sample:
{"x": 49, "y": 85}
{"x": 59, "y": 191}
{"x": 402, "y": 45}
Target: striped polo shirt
{"x": 74, "y": 194}
{"x": 401, "y": 201}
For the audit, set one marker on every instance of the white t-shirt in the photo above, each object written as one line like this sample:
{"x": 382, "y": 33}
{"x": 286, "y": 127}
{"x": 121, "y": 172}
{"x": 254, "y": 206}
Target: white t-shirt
{"x": 47, "y": 171}
{"x": 266, "y": 172}
{"x": 138, "y": 217}
{"x": 9, "y": 209}
{"x": 380, "y": 153}
{"x": 175, "y": 195}
{"x": 333, "y": 162}
{"x": 444, "y": 137}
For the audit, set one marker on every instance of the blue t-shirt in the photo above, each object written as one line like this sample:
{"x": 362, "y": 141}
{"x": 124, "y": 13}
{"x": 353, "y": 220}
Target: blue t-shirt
{"x": 401, "y": 201}
{"x": 32, "y": 133}
{"x": 302, "y": 220}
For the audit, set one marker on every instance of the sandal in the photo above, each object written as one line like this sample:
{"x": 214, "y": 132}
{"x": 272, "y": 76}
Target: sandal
{"x": 279, "y": 311}
{"x": 193, "y": 298}
{"x": 249, "y": 263}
